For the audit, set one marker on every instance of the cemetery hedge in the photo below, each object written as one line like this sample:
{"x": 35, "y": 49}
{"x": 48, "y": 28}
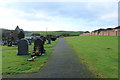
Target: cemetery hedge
{"x": 13, "y": 64}
{"x": 98, "y": 53}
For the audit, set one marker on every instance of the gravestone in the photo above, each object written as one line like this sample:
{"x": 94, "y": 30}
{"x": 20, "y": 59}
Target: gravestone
{"x": 30, "y": 41}
{"x": 49, "y": 39}
{"x": 44, "y": 39}
{"x": 23, "y": 47}
{"x": 38, "y": 42}
{"x": 4, "y": 43}
{"x": 53, "y": 38}
{"x": 9, "y": 43}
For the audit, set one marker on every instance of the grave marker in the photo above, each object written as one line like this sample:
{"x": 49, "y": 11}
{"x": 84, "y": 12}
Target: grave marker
{"x": 22, "y": 47}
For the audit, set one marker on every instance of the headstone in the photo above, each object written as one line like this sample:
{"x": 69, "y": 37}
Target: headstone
{"x": 22, "y": 47}
{"x": 9, "y": 43}
{"x": 49, "y": 39}
{"x": 39, "y": 43}
{"x": 53, "y": 38}
{"x": 4, "y": 43}
{"x": 44, "y": 39}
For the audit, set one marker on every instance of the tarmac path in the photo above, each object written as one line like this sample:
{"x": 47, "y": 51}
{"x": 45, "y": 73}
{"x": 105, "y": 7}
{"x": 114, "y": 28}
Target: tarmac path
{"x": 62, "y": 63}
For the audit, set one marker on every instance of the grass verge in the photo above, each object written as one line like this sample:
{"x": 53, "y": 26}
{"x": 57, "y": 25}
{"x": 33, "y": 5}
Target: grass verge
{"x": 99, "y": 53}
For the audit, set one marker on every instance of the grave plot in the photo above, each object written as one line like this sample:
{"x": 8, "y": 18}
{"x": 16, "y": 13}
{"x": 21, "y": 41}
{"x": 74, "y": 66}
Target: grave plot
{"x": 14, "y": 64}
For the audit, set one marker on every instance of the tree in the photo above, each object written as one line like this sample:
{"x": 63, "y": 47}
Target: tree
{"x": 21, "y": 35}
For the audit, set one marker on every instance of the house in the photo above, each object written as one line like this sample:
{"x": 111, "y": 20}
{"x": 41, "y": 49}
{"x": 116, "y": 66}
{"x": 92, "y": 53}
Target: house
{"x": 14, "y": 34}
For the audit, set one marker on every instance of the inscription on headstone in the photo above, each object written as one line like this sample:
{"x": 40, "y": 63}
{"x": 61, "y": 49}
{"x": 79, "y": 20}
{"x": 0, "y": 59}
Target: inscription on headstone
{"x": 38, "y": 42}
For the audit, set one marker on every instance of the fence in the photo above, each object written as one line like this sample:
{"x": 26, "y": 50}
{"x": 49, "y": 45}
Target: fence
{"x": 108, "y": 33}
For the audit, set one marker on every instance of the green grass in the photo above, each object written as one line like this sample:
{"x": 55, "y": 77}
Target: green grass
{"x": 54, "y": 33}
{"x": 13, "y": 64}
{"x": 99, "y": 53}
{"x": 8, "y": 48}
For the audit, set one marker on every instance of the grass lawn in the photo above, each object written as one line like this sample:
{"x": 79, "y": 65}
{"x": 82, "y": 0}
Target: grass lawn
{"x": 99, "y": 53}
{"x": 8, "y": 48}
{"x": 13, "y": 64}
{"x": 31, "y": 46}
{"x": 54, "y": 33}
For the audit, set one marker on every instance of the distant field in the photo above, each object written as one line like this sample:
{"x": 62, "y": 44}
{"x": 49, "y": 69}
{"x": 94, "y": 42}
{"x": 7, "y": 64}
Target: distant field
{"x": 55, "y": 33}
{"x": 99, "y": 53}
{"x": 13, "y": 64}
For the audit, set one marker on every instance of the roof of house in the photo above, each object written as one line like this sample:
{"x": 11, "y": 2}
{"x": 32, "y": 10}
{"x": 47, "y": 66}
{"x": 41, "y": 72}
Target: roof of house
{"x": 18, "y": 29}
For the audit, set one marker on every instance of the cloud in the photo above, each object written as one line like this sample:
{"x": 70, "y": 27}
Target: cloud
{"x": 58, "y": 15}
{"x": 17, "y": 17}
{"x": 62, "y": 0}
{"x": 12, "y": 13}
{"x": 5, "y": 2}
{"x": 110, "y": 17}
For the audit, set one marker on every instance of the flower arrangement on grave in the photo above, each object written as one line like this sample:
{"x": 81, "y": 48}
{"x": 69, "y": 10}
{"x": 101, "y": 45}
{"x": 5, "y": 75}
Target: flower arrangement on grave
{"x": 36, "y": 53}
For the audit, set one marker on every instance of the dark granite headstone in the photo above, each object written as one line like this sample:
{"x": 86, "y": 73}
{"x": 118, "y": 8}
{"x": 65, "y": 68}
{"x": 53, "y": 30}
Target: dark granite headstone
{"x": 4, "y": 43}
{"x": 49, "y": 39}
{"x": 22, "y": 47}
{"x": 44, "y": 39}
{"x": 38, "y": 42}
{"x": 53, "y": 38}
{"x": 9, "y": 43}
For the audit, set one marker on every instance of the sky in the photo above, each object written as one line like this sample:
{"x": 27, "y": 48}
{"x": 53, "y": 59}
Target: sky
{"x": 54, "y": 15}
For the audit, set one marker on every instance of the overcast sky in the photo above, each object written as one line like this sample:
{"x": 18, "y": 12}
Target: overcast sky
{"x": 36, "y": 15}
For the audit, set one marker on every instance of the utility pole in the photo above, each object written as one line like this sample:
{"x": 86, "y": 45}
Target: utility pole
{"x": 46, "y": 31}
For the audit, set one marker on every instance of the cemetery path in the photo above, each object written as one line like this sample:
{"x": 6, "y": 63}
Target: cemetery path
{"x": 63, "y": 63}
